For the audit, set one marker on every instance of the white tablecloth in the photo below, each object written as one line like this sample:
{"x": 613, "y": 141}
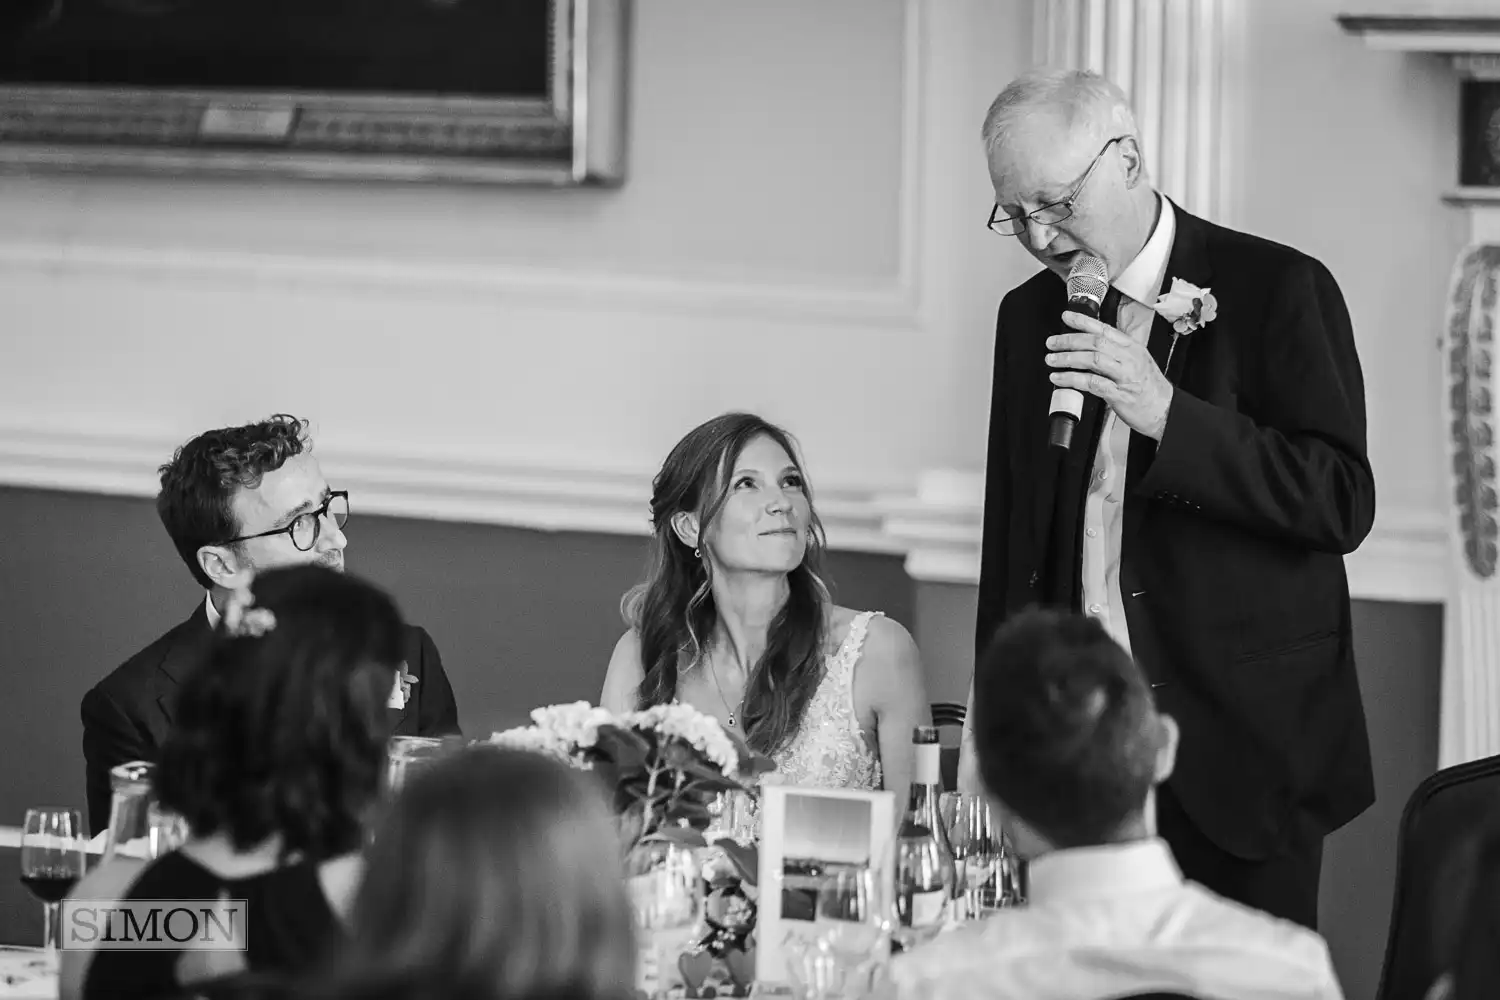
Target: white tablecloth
{"x": 23, "y": 974}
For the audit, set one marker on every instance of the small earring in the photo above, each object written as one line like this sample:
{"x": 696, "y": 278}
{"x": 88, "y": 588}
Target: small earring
{"x": 697, "y": 554}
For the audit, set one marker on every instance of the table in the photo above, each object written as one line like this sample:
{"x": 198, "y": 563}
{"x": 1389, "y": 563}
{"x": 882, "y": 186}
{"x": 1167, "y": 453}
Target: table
{"x": 23, "y": 975}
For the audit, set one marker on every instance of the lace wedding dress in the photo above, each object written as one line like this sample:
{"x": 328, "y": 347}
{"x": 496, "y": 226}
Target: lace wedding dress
{"x": 829, "y": 750}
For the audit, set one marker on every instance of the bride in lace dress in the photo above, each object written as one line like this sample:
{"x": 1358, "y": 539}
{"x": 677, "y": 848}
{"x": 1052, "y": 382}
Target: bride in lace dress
{"x": 734, "y": 619}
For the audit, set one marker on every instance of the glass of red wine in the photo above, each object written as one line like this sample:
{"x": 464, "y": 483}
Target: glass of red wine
{"x": 53, "y": 856}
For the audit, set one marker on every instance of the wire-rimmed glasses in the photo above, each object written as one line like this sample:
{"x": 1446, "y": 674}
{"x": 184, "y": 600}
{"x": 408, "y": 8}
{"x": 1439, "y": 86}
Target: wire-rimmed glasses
{"x": 1047, "y": 215}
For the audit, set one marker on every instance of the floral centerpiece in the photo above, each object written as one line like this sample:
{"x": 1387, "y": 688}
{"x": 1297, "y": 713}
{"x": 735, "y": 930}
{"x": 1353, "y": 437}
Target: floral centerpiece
{"x": 667, "y": 769}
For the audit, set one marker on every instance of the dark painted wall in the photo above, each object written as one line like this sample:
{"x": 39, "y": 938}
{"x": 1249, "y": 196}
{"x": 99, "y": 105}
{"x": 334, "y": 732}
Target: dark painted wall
{"x": 524, "y": 618}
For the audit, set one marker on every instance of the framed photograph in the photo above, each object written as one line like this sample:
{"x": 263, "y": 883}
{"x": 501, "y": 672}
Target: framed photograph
{"x": 478, "y": 91}
{"x": 811, "y": 838}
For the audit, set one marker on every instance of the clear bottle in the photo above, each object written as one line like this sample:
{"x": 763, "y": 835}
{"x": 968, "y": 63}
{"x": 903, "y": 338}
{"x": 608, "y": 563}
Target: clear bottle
{"x": 924, "y": 858}
{"x": 131, "y": 796}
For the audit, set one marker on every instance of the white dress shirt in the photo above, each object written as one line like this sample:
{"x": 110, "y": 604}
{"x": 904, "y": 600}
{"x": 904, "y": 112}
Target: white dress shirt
{"x": 1112, "y": 921}
{"x": 213, "y": 612}
{"x": 1103, "y": 505}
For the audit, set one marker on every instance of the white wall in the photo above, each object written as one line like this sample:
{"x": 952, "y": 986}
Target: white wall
{"x": 795, "y": 238}
{"x": 801, "y": 234}
{"x": 1348, "y": 151}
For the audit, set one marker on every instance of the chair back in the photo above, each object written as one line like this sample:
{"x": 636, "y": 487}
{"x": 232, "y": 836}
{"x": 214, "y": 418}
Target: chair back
{"x": 949, "y": 715}
{"x": 1444, "y": 809}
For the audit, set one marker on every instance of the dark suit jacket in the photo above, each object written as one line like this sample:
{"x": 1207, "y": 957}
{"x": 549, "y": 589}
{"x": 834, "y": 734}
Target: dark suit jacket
{"x": 126, "y": 715}
{"x": 1235, "y": 527}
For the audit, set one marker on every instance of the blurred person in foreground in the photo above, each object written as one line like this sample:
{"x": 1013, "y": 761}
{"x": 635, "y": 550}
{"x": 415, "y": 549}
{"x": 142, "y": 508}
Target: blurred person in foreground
{"x": 1466, "y": 918}
{"x": 1071, "y": 750}
{"x": 275, "y": 760}
{"x": 495, "y": 875}
{"x": 237, "y": 501}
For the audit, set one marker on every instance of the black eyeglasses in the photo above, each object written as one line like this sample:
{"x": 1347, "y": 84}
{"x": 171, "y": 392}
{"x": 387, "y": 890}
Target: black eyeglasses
{"x": 305, "y": 528}
{"x": 1048, "y": 215}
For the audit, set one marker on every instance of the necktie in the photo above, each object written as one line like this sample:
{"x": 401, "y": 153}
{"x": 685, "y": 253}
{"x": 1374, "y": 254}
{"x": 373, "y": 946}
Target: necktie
{"x": 1109, "y": 312}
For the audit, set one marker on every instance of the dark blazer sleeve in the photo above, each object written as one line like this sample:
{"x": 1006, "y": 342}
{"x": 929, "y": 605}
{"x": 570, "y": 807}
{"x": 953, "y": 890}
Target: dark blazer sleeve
{"x": 437, "y": 712}
{"x": 995, "y": 529}
{"x": 110, "y": 739}
{"x": 1301, "y": 474}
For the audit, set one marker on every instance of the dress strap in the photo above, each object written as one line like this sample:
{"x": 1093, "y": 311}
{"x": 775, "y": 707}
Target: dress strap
{"x": 848, "y": 656}
{"x": 853, "y": 644}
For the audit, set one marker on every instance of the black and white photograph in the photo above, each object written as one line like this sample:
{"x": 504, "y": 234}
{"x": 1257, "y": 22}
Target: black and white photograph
{"x": 687, "y": 499}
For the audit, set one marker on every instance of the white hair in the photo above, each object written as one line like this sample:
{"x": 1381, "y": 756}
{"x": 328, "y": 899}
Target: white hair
{"x": 1086, "y": 103}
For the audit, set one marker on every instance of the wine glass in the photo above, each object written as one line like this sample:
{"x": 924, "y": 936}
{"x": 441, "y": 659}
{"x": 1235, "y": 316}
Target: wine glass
{"x": 978, "y": 853}
{"x": 849, "y": 915}
{"x": 666, "y": 893}
{"x": 53, "y": 852}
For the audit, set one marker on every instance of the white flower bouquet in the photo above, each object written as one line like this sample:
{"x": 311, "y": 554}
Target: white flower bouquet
{"x": 664, "y": 766}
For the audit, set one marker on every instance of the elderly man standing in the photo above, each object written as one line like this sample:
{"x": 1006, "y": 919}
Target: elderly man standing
{"x": 1215, "y": 479}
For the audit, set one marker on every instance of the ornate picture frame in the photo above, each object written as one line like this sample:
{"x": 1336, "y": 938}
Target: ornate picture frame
{"x": 456, "y": 91}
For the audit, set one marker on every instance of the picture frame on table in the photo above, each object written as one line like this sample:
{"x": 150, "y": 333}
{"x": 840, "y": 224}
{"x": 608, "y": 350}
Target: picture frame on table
{"x": 455, "y": 91}
{"x": 807, "y": 836}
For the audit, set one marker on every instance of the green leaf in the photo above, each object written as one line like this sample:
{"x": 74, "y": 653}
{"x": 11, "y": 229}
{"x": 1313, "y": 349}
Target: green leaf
{"x": 683, "y": 835}
{"x": 746, "y": 859}
{"x": 625, "y": 747}
{"x": 756, "y": 764}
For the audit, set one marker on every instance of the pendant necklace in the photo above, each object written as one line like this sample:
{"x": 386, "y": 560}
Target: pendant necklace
{"x": 714, "y": 676}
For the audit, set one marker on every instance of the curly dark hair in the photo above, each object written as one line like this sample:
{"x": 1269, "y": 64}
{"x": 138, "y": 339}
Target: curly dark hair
{"x": 494, "y": 875}
{"x": 673, "y": 608}
{"x": 285, "y": 733}
{"x": 1064, "y": 727}
{"x": 196, "y": 485}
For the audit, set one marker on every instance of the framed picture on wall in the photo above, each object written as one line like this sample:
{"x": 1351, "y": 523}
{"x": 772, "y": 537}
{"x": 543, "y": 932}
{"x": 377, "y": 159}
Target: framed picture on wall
{"x": 481, "y": 91}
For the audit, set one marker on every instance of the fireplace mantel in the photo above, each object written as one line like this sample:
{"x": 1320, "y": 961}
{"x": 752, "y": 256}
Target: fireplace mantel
{"x": 1454, "y": 35}
{"x": 1469, "y": 726}
{"x": 1470, "y": 43}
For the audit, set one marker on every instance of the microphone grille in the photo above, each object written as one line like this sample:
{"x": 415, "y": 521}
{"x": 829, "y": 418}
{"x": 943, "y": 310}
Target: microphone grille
{"x": 1088, "y": 278}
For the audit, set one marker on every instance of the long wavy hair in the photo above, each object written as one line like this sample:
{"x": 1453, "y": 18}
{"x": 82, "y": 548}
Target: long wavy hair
{"x": 672, "y": 609}
{"x": 495, "y": 875}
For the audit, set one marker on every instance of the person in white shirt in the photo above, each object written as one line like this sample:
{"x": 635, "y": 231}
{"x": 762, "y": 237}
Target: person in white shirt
{"x": 1070, "y": 750}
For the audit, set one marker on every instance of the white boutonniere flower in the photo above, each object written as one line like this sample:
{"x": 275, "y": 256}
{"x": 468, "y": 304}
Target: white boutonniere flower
{"x": 1187, "y": 307}
{"x": 401, "y": 690}
{"x": 243, "y": 619}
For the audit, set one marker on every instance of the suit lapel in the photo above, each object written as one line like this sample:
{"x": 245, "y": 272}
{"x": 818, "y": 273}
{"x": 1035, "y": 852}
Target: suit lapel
{"x": 1188, "y": 261}
{"x": 184, "y": 654}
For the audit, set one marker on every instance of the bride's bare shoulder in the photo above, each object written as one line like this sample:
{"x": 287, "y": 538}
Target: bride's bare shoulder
{"x": 884, "y": 634}
{"x": 623, "y": 675}
{"x": 627, "y": 649}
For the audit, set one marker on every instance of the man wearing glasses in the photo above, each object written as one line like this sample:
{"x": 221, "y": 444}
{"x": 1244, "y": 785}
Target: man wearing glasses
{"x": 236, "y": 501}
{"x": 1215, "y": 480}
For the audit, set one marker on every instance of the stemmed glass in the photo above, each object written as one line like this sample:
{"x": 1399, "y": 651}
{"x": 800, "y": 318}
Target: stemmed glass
{"x": 851, "y": 927}
{"x": 979, "y": 855}
{"x": 666, "y": 891}
{"x": 849, "y": 915}
{"x": 53, "y": 855}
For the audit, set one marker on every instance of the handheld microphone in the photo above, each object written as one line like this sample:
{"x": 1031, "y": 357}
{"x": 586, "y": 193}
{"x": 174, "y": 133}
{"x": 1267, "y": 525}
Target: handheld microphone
{"x": 1088, "y": 280}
